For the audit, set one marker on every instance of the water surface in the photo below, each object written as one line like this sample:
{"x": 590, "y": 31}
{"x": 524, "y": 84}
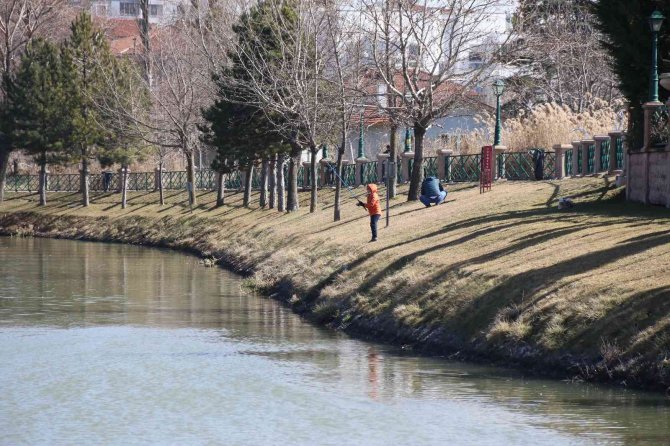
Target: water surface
{"x": 113, "y": 344}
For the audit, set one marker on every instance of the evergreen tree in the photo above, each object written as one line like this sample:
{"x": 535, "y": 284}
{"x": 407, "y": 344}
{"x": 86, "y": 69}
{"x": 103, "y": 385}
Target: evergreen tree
{"x": 625, "y": 24}
{"x": 236, "y": 126}
{"x": 272, "y": 68}
{"x": 241, "y": 135}
{"x": 40, "y": 104}
{"x": 90, "y": 68}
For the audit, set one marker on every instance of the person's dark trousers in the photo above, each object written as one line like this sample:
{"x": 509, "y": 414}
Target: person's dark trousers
{"x": 374, "y": 219}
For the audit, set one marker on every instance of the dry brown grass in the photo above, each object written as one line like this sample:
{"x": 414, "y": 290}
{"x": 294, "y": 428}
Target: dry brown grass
{"x": 495, "y": 271}
{"x": 546, "y": 125}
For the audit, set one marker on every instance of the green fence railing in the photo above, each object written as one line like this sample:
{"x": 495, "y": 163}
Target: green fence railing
{"x": 580, "y": 161}
{"x": 568, "y": 162}
{"x": 549, "y": 165}
{"x": 369, "y": 173}
{"x": 430, "y": 166}
{"x": 619, "y": 151}
{"x": 605, "y": 155}
{"x": 518, "y": 165}
{"x": 349, "y": 174}
{"x": 463, "y": 168}
{"x": 591, "y": 158}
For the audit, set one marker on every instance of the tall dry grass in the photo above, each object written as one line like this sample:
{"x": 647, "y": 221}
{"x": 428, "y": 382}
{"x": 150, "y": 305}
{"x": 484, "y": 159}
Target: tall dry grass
{"x": 546, "y": 125}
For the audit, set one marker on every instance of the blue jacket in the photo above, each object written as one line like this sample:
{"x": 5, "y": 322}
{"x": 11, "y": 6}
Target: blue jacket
{"x": 431, "y": 187}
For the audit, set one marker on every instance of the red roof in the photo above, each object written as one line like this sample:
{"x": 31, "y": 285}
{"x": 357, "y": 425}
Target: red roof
{"x": 124, "y": 35}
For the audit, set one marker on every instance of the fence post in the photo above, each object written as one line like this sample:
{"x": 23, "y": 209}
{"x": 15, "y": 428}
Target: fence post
{"x": 325, "y": 172}
{"x": 306, "y": 166}
{"x": 442, "y": 155}
{"x": 405, "y": 160}
{"x": 597, "y": 166}
{"x": 560, "y": 150}
{"x": 576, "y": 148}
{"x": 499, "y": 162}
{"x": 382, "y": 166}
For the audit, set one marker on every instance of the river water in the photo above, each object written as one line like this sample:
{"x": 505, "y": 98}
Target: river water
{"x": 113, "y": 344}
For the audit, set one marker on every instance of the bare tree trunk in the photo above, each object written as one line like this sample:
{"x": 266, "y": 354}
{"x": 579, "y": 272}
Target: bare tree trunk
{"x": 314, "y": 194}
{"x": 43, "y": 180}
{"x": 4, "y": 165}
{"x": 190, "y": 178}
{"x": 248, "y": 178}
{"x": 84, "y": 182}
{"x": 417, "y": 168}
{"x": 393, "y": 157}
{"x": 281, "y": 187}
{"x": 292, "y": 201}
{"x": 338, "y": 184}
{"x": 220, "y": 189}
{"x": 263, "y": 199}
{"x": 272, "y": 182}
{"x": 161, "y": 195}
{"x": 124, "y": 186}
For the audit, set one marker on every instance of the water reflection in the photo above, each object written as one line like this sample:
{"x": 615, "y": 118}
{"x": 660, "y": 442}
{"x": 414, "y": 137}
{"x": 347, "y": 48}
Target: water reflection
{"x": 150, "y": 316}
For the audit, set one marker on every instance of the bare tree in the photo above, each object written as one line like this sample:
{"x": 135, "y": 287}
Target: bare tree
{"x": 430, "y": 44}
{"x": 560, "y": 57}
{"x": 180, "y": 89}
{"x": 277, "y": 66}
{"x": 345, "y": 74}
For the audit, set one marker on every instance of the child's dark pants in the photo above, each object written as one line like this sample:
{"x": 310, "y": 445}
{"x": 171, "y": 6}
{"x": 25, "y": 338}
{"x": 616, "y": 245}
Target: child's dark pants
{"x": 373, "y": 224}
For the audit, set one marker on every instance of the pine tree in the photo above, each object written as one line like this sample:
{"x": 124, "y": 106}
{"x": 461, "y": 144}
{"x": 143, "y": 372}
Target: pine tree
{"x": 241, "y": 135}
{"x": 91, "y": 65}
{"x": 241, "y": 132}
{"x": 40, "y": 103}
{"x": 625, "y": 23}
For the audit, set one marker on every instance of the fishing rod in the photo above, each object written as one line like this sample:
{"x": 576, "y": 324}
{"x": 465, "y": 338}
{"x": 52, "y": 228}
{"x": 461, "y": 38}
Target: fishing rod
{"x": 332, "y": 168}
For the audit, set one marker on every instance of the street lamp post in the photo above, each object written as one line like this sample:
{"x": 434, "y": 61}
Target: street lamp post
{"x": 408, "y": 140}
{"x": 361, "y": 147}
{"x": 498, "y": 89}
{"x": 655, "y": 22}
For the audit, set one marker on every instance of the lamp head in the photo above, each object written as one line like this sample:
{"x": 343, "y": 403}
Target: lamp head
{"x": 498, "y": 87}
{"x": 655, "y": 21}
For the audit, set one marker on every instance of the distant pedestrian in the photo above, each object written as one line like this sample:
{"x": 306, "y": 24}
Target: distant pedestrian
{"x": 374, "y": 208}
{"x": 432, "y": 192}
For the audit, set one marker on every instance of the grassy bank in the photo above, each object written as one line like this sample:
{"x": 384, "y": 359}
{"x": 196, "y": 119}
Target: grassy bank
{"x": 582, "y": 293}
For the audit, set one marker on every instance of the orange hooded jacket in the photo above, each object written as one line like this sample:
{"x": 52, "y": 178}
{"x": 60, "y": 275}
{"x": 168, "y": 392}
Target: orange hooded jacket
{"x": 373, "y": 205}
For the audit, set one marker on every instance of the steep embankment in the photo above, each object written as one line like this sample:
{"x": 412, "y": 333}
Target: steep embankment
{"x": 581, "y": 294}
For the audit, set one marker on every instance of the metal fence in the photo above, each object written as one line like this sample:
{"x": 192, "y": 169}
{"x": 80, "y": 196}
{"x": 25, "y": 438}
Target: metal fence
{"x": 430, "y": 166}
{"x": 369, "y": 172}
{"x": 462, "y": 168}
{"x": 591, "y": 158}
{"x": 459, "y": 168}
{"x": 568, "y": 162}
{"x": 605, "y": 154}
{"x": 619, "y": 151}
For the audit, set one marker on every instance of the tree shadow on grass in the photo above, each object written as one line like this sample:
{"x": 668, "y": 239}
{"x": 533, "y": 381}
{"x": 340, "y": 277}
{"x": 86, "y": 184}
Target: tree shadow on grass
{"x": 535, "y": 282}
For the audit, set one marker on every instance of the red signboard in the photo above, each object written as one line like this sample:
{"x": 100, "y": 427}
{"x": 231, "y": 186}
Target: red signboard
{"x": 486, "y": 171}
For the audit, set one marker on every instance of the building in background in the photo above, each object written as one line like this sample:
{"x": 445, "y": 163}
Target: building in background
{"x": 160, "y": 11}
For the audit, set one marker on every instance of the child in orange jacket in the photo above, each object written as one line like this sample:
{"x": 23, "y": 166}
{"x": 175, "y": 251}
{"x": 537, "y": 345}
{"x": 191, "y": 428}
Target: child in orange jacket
{"x": 374, "y": 208}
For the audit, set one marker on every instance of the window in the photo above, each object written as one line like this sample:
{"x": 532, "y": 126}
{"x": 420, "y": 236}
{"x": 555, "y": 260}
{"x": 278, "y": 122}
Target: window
{"x": 100, "y": 10}
{"x": 476, "y": 60}
{"x": 155, "y": 10}
{"x": 129, "y": 9}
